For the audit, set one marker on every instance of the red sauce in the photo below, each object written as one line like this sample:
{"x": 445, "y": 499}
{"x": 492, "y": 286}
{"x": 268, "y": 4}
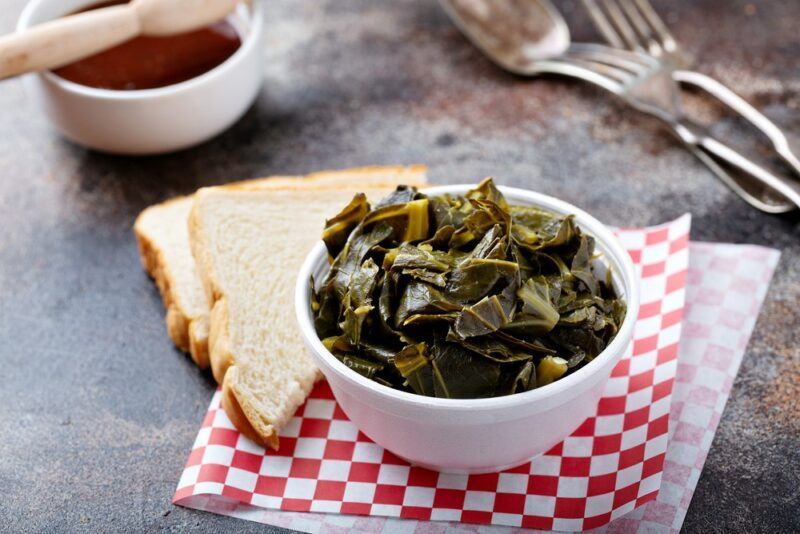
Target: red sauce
{"x": 149, "y": 62}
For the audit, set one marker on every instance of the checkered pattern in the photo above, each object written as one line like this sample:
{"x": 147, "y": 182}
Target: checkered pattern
{"x": 726, "y": 285}
{"x": 607, "y": 467}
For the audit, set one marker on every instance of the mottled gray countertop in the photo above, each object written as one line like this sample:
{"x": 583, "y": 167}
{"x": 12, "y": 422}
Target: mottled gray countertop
{"x": 100, "y": 411}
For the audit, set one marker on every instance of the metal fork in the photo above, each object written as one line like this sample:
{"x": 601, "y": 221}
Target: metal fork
{"x": 635, "y": 25}
{"x": 646, "y": 84}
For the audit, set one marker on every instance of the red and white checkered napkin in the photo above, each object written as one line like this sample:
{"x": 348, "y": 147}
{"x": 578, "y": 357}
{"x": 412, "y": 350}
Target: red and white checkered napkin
{"x": 726, "y": 286}
{"x": 610, "y": 465}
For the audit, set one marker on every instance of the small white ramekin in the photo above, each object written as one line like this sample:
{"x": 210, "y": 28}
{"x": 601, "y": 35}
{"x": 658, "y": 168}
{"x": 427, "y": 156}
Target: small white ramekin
{"x": 150, "y": 121}
{"x": 476, "y": 435}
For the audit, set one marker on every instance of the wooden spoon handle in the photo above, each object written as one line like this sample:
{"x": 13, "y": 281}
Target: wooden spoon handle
{"x": 62, "y": 41}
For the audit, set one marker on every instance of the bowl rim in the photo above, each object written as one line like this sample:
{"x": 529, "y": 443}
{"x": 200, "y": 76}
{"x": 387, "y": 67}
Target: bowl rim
{"x": 251, "y": 39}
{"x": 591, "y": 225}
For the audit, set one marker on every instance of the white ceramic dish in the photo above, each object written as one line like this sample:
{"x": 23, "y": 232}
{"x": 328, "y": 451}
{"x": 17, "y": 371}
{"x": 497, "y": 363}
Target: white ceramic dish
{"x": 150, "y": 121}
{"x": 476, "y": 435}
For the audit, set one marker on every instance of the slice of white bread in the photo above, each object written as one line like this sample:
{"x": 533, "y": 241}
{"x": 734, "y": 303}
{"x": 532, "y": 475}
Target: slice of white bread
{"x": 249, "y": 246}
{"x": 163, "y": 237}
{"x": 162, "y": 234}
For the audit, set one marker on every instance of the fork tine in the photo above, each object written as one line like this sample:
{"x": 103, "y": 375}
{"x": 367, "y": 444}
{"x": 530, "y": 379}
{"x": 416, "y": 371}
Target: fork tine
{"x": 624, "y": 27}
{"x": 668, "y": 42}
{"x": 617, "y": 75}
{"x": 629, "y": 62}
{"x": 643, "y": 27}
{"x": 582, "y": 70}
{"x": 603, "y": 24}
{"x": 629, "y": 55}
{"x": 621, "y": 70}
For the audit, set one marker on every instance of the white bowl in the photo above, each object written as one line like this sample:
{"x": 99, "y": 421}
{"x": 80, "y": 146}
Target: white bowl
{"x": 476, "y": 435}
{"x": 150, "y": 121}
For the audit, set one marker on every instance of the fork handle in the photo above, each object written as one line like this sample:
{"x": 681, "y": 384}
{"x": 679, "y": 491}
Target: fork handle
{"x": 721, "y": 158}
{"x": 743, "y": 108}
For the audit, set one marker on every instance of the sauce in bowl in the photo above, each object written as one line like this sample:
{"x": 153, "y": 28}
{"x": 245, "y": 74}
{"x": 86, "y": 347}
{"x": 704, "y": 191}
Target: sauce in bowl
{"x": 151, "y": 62}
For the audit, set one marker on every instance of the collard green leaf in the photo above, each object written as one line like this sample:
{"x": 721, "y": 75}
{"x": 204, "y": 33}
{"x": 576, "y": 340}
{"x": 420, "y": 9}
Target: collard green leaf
{"x": 536, "y": 230}
{"x": 433, "y": 278}
{"x": 462, "y": 296}
{"x": 362, "y": 366}
{"x": 338, "y": 345}
{"x": 416, "y": 257}
{"x": 386, "y": 297}
{"x": 493, "y": 348}
{"x": 618, "y": 309}
{"x": 338, "y": 229}
{"x": 574, "y": 340}
{"x": 527, "y": 267}
{"x": 459, "y": 373}
{"x": 421, "y": 319}
{"x": 474, "y": 279}
{"x": 576, "y": 359}
{"x": 401, "y": 195}
{"x": 486, "y": 190}
{"x": 517, "y": 380}
{"x": 447, "y": 212}
{"x": 441, "y": 237}
{"x": 487, "y": 244}
{"x": 353, "y": 255}
{"x": 491, "y": 313}
{"x": 377, "y": 351}
{"x": 537, "y": 315}
{"x": 413, "y": 364}
{"x": 559, "y": 232}
{"x": 485, "y": 317}
{"x": 409, "y": 221}
{"x": 580, "y": 317}
{"x": 357, "y": 302}
{"x": 581, "y": 266}
{"x": 485, "y": 215}
{"x": 421, "y": 298}
{"x": 327, "y": 311}
{"x": 532, "y": 347}
{"x": 531, "y": 218}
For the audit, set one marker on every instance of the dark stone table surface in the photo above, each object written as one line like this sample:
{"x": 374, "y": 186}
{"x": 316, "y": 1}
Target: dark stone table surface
{"x": 99, "y": 411}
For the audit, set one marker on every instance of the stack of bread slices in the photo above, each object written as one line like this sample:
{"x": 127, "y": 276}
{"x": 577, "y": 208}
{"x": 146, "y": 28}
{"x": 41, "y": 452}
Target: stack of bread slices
{"x": 226, "y": 260}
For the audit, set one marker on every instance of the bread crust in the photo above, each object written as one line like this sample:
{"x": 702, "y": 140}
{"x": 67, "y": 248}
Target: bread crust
{"x": 198, "y": 341}
{"x": 219, "y": 342}
{"x": 236, "y": 414}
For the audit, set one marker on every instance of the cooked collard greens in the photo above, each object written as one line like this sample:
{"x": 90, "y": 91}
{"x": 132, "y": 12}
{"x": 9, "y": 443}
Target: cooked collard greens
{"x": 462, "y": 297}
